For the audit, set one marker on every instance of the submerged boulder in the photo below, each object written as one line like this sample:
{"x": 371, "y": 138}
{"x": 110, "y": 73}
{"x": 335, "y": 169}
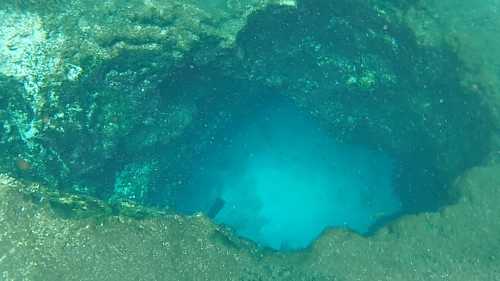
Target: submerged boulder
{"x": 79, "y": 80}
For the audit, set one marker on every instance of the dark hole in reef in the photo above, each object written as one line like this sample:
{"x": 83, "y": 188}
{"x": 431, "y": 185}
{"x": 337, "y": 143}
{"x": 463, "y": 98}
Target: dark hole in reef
{"x": 263, "y": 164}
{"x": 275, "y": 176}
{"x": 279, "y": 166}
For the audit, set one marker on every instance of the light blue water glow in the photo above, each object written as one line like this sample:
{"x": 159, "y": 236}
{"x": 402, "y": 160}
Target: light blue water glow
{"x": 284, "y": 180}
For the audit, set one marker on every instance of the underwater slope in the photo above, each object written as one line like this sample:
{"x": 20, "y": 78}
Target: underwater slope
{"x": 38, "y": 243}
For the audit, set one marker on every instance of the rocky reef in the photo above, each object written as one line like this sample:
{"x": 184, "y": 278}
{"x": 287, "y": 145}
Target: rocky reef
{"x": 104, "y": 104}
{"x": 81, "y": 81}
{"x": 47, "y": 235}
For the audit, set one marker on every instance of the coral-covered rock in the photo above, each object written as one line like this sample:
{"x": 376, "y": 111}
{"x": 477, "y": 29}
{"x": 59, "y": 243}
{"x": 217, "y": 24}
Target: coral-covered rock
{"x": 90, "y": 73}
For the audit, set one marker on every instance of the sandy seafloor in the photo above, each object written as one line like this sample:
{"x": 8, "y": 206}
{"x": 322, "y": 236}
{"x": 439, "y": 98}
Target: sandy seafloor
{"x": 459, "y": 242}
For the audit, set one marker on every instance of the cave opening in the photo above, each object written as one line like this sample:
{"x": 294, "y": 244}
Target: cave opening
{"x": 346, "y": 138}
{"x": 275, "y": 176}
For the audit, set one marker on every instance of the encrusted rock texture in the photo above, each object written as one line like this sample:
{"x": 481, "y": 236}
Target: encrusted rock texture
{"x": 91, "y": 91}
{"x": 45, "y": 237}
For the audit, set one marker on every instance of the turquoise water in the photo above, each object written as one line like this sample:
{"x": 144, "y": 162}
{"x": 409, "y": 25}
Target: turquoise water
{"x": 284, "y": 179}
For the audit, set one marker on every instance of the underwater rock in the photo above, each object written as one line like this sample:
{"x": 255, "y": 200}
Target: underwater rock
{"x": 90, "y": 73}
{"x": 38, "y": 243}
{"x": 365, "y": 76}
{"x": 134, "y": 182}
{"x": 429, "y": 245}
{"x": 107, "y": 85}
{"x": 114, "y": 100}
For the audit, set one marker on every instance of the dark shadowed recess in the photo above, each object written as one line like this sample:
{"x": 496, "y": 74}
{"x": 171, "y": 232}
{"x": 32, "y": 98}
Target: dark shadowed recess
{"x": 363, "y": 78}
{"x": 358, "y": 73}
{"x": 420, "y": 114}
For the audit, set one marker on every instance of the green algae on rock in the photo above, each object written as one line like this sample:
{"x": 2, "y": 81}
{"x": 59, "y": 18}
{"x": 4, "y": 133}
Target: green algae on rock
{"x": 109, "y": 85}
{"x": 99, "y": 99}
{"x": 90, "y": 72}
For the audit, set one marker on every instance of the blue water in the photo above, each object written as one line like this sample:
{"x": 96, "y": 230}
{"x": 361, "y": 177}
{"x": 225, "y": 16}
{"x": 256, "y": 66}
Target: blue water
{"x": 284, "y": 179}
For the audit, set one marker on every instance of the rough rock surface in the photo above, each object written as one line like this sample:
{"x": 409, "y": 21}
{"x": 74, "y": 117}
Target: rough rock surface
{"x": 88, "y": 85}
{"x": 48, "y": 236}
{"x": 81, "y": 80}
